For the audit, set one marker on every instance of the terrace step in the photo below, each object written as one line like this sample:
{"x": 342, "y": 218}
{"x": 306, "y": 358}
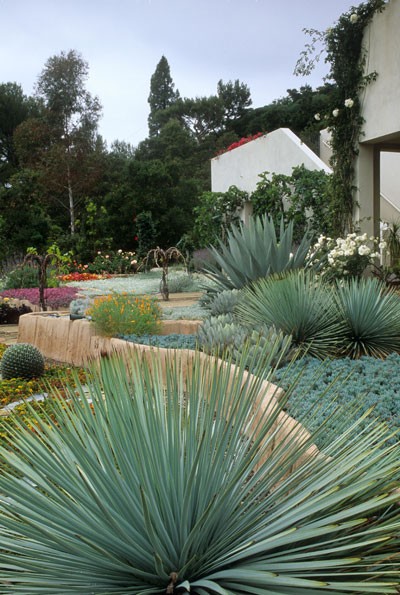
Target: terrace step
{"x": 8, "y": 333}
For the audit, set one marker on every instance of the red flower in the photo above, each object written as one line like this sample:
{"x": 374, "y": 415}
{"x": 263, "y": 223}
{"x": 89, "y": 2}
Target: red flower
{"x": 242, "y": 141}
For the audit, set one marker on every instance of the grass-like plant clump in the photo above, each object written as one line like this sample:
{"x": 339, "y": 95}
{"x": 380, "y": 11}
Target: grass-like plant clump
{"x": 297, "y": 305}
{"x": 354, "y": 386}
{"x": 125, "y": 313}
{"x": 173, "y": 485}
{"x": 358, "y": 317}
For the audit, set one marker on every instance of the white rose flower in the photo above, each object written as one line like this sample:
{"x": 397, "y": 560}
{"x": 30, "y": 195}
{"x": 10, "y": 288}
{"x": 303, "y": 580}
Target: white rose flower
{"x": 349, "y": 102}
{"x": 317, "y": 117}
{"x": 364, "y": 251}
{"x": 354, "y": 18}
{"x": 335, "y": 113}
{"x": 382, "y": 245}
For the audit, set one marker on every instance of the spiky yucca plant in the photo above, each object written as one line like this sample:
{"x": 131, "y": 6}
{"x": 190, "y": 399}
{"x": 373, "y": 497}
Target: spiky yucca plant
{"x": 254, "y": 251}
{"x": 298, "y": 304}
{"x": 157, "y": 487}
{"x": 371, "y": 314}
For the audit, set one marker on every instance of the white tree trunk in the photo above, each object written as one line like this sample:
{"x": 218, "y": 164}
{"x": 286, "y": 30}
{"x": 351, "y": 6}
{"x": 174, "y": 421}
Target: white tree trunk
{"x": 71, "y": 202}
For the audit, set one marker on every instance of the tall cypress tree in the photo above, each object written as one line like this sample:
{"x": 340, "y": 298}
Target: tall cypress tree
{"x": 162, "y": 95}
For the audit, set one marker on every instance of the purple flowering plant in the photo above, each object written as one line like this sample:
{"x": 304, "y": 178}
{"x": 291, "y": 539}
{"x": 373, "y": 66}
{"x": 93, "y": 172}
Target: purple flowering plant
{"x": 56, "y": 297}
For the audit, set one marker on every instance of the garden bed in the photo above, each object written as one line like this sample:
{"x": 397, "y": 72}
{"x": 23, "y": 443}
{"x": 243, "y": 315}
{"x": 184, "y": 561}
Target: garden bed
{"x": 75, "y": 342}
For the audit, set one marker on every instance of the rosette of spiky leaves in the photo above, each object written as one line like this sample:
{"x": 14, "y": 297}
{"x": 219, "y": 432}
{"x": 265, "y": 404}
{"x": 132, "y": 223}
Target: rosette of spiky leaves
{"x": 161, "y": 485}
{"x": 220, "y": 334}
{"x": 254, "y": 251}
{"x": 223, "y": 302}
{"x": 298, "y": 304}
{"x": 371, "y": 313}
{"x": 265, "y": 342}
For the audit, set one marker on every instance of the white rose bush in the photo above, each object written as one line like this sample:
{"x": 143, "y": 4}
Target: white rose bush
{"x": 345, "y": 257}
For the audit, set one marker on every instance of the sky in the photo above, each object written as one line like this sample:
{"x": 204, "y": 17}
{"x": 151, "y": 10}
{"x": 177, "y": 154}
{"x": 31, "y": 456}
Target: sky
{"x": 255, "y": 41}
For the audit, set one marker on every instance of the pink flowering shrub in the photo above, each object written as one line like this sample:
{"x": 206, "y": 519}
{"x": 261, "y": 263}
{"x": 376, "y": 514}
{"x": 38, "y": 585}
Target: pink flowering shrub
{"x": 242, "y": 141}
{"x": 56, "y": 297}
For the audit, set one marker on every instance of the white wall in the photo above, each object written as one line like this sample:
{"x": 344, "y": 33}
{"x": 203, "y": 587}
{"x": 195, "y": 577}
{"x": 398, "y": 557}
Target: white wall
{"x": 380, "y": 109}
{"x": 389, "y": 178}
{"x": 276, "y": 152}
{"x": 380, "y": 100}
{"x": 390, "y": 188}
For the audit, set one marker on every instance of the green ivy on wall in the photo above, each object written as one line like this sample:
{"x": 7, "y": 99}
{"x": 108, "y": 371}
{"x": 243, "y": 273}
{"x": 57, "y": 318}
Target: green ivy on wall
{"x": 347, "y": 58}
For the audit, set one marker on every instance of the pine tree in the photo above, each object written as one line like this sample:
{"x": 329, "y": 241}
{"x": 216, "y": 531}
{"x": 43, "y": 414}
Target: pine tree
{"x": 162, "y": 95}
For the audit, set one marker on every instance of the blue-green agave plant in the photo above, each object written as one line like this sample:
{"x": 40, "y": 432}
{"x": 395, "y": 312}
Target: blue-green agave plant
{"x": 254, "y": 251}
{"x": 161, "y": 485}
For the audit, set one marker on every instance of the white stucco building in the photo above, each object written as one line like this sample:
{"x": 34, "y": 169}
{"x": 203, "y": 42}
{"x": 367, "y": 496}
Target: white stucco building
{"x": 377, "y": 194}
{"x": 378, "y": 161}
{"x": 278, "y": 152}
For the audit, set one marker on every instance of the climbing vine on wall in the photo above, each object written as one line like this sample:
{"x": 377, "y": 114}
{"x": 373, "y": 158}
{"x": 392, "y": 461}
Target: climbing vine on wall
{"x": 347, "y": 57}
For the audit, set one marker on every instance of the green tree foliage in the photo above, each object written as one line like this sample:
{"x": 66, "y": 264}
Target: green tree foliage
{"x": 215, "y": 213}
{"x": 25, "y": 220}
{"x": 302, "y": 198}
{"x": 146, "y": 233}
{"x": 215, "y": 114}
{"x": 165, "y": 178}
{"x": 295, "y": 111}
{"x": 51, "y": 144}
{"x": 15, "y": 107}
{"x": 62, "y": 144}
{"x": 162, "y": 95}
{"x": 235, "y": 97}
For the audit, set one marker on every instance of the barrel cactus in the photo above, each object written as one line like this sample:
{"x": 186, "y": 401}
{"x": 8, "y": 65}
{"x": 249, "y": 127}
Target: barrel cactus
{"x": 22, "y": 360}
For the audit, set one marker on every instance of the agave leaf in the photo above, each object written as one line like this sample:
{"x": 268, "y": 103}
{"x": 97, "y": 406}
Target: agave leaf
{"x": 254, "y": 251}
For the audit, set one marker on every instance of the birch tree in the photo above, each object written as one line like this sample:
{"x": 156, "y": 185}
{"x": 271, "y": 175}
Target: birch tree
{"x": 71, "y": 114}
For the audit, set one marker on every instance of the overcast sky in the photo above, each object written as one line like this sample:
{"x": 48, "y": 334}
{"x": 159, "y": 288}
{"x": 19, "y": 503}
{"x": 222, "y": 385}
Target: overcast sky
{"x": 255, "y": 41}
